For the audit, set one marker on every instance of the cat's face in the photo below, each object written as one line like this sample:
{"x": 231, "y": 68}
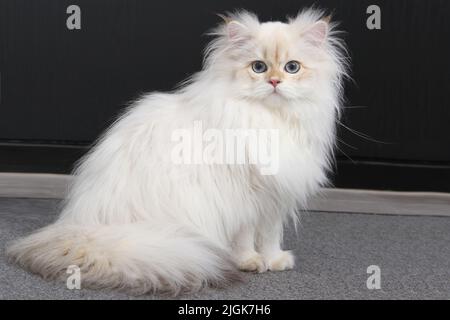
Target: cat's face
{"x": 275, "y": 62}
{"x": 273, "y": 65}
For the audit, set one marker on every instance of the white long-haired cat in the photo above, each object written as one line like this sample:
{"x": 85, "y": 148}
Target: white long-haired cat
{"x": 136, "y": 219}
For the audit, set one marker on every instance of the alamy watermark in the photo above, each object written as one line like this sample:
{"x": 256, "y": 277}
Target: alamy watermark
{"x": 374, "y": 20}
{"x": 73, "y": 21}
{"x": 374, "y": 280}
{"x": 211, "y": 146}
{"x": 74, "y": 279}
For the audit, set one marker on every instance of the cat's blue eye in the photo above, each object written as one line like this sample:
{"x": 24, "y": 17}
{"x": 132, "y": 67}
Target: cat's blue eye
{"x": 259, "y": 67}
{"x": 292, "y": 67}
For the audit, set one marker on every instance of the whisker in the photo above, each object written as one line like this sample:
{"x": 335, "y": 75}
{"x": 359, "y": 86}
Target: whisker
{"x": 355, "y": 107}
{"x": 362, "y": 135}
{"x": 346, "y": 155}
{"x": 348, "y": 145}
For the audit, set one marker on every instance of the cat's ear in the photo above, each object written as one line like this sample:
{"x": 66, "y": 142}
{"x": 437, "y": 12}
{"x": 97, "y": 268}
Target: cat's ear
{"x": 235, "y": 30}
{"x": 318, "y": 32}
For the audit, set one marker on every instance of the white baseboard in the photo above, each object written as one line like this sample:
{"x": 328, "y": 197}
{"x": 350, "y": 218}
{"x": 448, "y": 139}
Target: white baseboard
{"x": 382, "y": 202}
{"x": 33, "y": 185}
{"x": 54, "y": 186}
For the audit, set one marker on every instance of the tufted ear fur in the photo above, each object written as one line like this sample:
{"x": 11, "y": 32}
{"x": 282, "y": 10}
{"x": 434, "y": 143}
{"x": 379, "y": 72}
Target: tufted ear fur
{"x": 237, "y": 31}
{"x": 238, "y": 26}
{"x": 317, "y": 33}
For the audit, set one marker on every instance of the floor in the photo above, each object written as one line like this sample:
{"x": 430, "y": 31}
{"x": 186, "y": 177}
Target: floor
{"x": 333, "y": 253}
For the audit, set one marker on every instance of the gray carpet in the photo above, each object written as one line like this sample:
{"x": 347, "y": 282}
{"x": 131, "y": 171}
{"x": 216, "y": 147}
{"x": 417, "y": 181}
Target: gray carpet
{"x": 333, "y": 252}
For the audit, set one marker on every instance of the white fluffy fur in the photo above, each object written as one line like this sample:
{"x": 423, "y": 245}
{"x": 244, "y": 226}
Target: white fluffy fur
{"x": 135, "y": 220}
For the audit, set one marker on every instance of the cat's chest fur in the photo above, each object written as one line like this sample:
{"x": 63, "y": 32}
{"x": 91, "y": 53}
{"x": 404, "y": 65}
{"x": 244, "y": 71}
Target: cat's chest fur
{"x": 294, "y": 145}
{"x": 301, "y": 155}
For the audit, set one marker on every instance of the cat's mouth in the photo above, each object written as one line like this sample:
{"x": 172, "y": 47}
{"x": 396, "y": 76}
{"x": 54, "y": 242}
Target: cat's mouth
{"x": 276, "y": 92}
{"x": 273, "y": 93}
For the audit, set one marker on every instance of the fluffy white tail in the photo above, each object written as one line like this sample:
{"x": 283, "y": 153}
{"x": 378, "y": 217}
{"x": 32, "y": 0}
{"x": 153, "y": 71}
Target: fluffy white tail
{"x": 138, "y": 257}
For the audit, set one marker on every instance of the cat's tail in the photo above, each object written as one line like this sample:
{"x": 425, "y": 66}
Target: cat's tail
{"x": 137, "y": 257}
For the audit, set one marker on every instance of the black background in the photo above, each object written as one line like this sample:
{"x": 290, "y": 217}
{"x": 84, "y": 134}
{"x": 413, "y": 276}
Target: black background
{"x": 60, "y": 88}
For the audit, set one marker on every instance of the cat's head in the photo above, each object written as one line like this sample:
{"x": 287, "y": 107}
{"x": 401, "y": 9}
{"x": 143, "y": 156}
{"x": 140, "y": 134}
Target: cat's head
{"x": 274, "y": 62}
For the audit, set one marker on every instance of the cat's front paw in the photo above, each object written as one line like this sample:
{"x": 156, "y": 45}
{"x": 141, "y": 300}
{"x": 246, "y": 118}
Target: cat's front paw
{"x": 252, "y": 262}
{"x": 282, "y": 260}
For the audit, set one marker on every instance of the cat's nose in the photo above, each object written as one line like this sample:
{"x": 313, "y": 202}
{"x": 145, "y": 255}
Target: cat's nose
{"x": 274, "y": 82}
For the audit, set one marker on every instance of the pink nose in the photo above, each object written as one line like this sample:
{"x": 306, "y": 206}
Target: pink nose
{"x": 274, "y": 82}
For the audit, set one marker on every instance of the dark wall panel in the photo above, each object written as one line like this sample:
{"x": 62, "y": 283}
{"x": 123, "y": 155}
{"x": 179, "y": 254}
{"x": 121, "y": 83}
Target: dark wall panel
{"x": 61, "y": 87}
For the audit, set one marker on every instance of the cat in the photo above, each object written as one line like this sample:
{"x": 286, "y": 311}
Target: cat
{"x": 136, "y": 220}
